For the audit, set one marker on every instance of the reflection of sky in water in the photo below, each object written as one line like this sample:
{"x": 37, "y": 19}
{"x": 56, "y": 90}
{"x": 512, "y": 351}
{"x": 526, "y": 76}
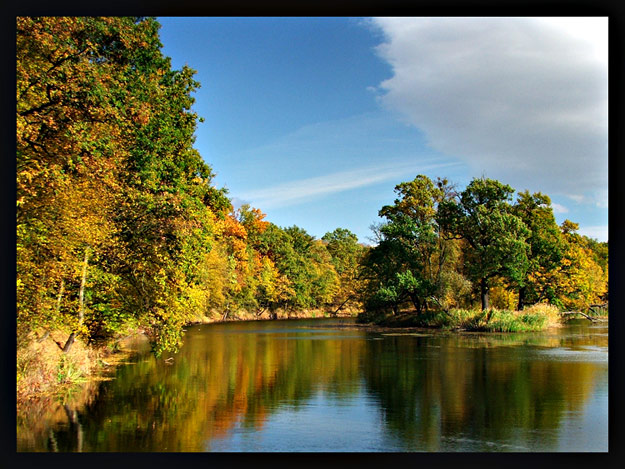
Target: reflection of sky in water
{"x": 587, "y": 353}
{"x": 587, "y": 429}
{"x": 324, "y": 423}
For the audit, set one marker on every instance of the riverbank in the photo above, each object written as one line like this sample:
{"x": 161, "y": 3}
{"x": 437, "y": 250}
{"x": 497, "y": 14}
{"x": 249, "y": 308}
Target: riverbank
{"x": 534, "y": 318}
{"x": 275, "y": 315}
{"x": 45, "y": 373}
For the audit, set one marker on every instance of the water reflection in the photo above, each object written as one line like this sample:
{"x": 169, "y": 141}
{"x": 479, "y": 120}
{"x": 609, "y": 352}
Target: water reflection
{"x": 248, "y": 386}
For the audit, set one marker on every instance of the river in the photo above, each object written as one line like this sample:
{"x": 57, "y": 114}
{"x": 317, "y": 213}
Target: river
{"x": 326, "y": 385}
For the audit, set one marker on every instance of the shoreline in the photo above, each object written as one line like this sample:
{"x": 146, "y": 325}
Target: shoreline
{"x": 98, "y": 363}
{"x": 104, "y": 360}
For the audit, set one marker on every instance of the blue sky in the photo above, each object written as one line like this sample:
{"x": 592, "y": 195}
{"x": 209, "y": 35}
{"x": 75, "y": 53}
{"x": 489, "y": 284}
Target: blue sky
{"x": 315, "y": 120}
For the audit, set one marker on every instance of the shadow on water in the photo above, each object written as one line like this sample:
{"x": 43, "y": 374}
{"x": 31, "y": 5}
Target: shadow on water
{"x": 426, "y": 391}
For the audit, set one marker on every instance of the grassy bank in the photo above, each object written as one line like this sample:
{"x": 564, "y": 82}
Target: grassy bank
{"x": 44, "y": 371}
{"x": 534, "y": 318}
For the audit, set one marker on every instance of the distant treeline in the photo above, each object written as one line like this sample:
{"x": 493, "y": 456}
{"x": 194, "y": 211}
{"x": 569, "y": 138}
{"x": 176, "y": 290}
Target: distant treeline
{"x": 120, "y": 227}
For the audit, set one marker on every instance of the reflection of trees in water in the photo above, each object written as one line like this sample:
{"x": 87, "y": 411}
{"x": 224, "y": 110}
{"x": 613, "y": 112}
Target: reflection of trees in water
{"x": 480, "y": 394}
{"x": 216, "y": 382}
{"x": 37, "y": 420}
{"x": 428, "y": 388}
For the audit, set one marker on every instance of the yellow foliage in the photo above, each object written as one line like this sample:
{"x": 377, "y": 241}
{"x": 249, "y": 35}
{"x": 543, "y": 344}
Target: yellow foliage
{"x": 503, "y": 298}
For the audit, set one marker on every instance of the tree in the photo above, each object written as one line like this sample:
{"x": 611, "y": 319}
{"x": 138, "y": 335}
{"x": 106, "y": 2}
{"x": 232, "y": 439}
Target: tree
{"x": 115, "y": 206}
{"x": 546, "y": 246}
{"x": 577, "y": 282}
{"x": 67, "y": 165}
{"x": 409, "y": 261}
{"x": 346, "y": 256}
{"x": 495, "y": 236}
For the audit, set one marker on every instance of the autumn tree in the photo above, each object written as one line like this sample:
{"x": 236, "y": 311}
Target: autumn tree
{"x": 67, "y": 165}
{"x": 115, "y": 206}
{"x": 577, "y": 282}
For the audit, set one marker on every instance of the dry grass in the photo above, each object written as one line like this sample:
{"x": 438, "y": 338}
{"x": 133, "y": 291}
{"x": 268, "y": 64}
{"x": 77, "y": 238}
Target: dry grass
{"x": 43, "y": 368}
{"x": 549, "y": 312}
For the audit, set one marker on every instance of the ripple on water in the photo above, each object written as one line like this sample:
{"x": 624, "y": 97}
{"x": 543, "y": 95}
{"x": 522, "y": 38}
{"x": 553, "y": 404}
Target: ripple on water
{"x": 583, "y": 353}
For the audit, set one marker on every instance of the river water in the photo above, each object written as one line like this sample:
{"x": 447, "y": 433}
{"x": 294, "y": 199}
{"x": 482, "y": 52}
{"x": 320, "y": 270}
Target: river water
{"x": 326, "y": 385}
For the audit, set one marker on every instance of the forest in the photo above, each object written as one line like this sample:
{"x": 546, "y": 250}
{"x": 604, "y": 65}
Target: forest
{"x": 120, "y": 227}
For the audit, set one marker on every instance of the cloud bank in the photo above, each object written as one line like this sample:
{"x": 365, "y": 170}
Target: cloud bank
{"x": 523, "y": 100}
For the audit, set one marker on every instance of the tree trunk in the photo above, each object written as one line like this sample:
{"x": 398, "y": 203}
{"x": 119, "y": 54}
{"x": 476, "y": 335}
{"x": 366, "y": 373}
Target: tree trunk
{"x": 521, "y": 298}
{"x": 81, "y": 301}
{"x": 417, "y": 304}
{"x": 60, "y": 297}
{"x": 484, "y": 294}
{"x": 591, "y": 319}
{"x": 81, "y": 293}
{"x": 342, "y": 304}
{"x": 70, "y": 341}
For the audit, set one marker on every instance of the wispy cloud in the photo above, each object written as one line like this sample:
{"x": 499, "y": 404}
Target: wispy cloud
{"x": 304, "y": 190}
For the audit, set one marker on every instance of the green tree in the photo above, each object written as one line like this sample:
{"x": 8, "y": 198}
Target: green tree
{"x": 546, "y": 246}
{"x": 411, "y": 257}
{"x": 311, "y": 272}
{"x": 495, "y": 236}
{"x": 346, "y": 257}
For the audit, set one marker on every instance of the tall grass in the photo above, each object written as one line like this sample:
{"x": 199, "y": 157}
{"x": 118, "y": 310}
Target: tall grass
{"x": 534, "y": 318}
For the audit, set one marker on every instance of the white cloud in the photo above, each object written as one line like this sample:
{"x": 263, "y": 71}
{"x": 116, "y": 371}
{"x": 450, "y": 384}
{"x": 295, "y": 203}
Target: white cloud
{"x": 524, "y": 99}
{"x": 557, "y": 208}
{"x": 576, "y": 197}
{"x": 302, "y": 190}
{"x": 599, "y": 233}
{"x": 237, "y": 202}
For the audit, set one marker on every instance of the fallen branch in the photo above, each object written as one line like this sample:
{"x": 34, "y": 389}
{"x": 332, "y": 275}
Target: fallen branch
{"x": 342, "y": 304}
{"x": 579, "y": 312}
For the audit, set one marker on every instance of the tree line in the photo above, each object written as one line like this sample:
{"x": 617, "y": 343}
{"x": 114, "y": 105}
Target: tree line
{"x": 442, "y": 248}
{"x": 120, "y": 226}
